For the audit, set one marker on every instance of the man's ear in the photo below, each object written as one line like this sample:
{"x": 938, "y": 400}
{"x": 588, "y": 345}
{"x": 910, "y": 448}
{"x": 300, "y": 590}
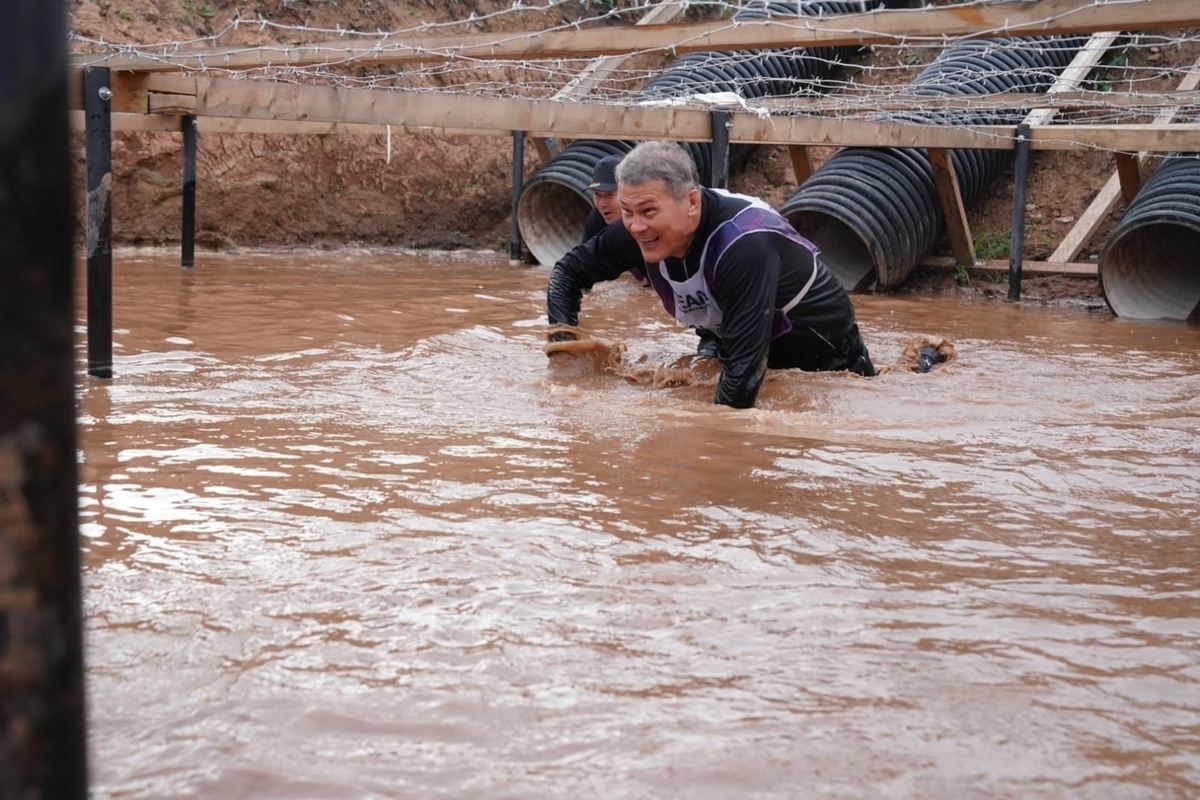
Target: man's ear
{"x": 693, "y": 202}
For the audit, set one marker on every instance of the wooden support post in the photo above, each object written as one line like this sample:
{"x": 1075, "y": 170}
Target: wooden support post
{"x": 518, "y": 180}
{"x": 802, "y": 164}
{"x": 544, "y": 149}
{"x": 958, "y": 231}
{"x": 43, "y": 730}
{"x": 1106, "y": 199}
{"x": 1016, "y": 247}
{"x": 1084, "y": 62}
{"x": 1129, "y": 174}
{"x": 97, "y": 96}
{"x": 188, "y": 238}
{"x": 719, "y": 164}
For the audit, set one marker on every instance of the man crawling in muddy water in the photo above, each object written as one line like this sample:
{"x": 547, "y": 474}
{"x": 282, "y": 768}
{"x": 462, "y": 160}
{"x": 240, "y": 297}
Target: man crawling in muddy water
{"x": 721, "y": 262}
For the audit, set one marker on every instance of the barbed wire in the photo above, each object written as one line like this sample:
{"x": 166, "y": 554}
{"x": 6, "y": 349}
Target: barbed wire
{"x": 1133, "y": 82}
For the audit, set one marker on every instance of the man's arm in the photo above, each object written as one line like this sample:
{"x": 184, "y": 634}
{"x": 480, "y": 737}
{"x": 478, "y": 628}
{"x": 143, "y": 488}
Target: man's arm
{"x": 744, "y": 286}
{"x": 602, "y": 258}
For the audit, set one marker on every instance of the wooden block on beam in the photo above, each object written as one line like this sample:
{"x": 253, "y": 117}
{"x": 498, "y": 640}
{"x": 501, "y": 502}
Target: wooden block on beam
{"x": 958, "y": 231}
{"x": 129, "y": 93}
{"x": 166, "y": 83}
{"x": 171, "y": 103}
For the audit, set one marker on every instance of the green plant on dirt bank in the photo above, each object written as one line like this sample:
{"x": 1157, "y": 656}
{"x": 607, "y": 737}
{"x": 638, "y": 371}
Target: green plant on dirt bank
{"x": 199, "y": 9}
{"x": 995, "y": 245}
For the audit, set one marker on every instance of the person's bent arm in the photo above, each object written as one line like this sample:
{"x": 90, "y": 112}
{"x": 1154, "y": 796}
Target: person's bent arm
{"x": 744, "y": 285}
{"x": 602, "y": 258}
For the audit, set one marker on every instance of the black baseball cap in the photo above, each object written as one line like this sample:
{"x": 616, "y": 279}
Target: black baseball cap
{"x": 604, "y": 174}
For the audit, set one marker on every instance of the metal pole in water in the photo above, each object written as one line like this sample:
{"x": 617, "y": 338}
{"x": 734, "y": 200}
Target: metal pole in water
{"x": 719, "y": 177}
{"x": 43, "y": 743}
{"x": 97, "y": 95}
{"x": 188, "y": 237}
{"x": 1016, "y": 247}
{"x": 518, "y": 179}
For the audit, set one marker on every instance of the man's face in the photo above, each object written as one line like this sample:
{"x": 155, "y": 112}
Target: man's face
{"x": 606, "y": 204}
{"x": 662, "y": 226}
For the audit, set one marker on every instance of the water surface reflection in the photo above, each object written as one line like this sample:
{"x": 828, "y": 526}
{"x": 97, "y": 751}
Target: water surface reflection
{"x": 347, "y": 537}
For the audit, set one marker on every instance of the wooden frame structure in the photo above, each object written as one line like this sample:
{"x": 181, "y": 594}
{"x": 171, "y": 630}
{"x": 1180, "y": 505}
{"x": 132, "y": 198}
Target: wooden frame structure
{"x": 164, "y": 91}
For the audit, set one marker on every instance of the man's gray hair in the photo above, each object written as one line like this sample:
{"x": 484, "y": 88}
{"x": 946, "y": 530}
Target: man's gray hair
{"x": 660, "y": 161}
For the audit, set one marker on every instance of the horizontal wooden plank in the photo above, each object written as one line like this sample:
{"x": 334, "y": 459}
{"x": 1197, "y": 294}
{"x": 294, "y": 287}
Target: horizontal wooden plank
{"x": 149, "y": 123}
{"x": 911, "y": 26}
{"x": 887, "y": 98}
{"x": 883, "y": 99}
{"x": 985, "y": 266}
{"x": 263, "y": 100}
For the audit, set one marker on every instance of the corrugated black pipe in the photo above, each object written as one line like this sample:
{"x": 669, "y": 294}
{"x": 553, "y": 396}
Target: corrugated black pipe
{"x": 1149, "y": 268}
{"x": 555, "y": 202}
{"x": 874, "y": 213}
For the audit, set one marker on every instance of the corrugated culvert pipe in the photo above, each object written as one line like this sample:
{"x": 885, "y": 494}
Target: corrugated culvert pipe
{"x": 555, "y": 202}
{"x": 874, "y": 213}
{"x": 1150, "y": 265}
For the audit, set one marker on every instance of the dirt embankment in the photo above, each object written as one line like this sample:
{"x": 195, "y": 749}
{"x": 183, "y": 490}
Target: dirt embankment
{"x": 441, "y": 191}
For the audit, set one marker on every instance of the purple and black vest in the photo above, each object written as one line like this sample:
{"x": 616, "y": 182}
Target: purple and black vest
{"x": 691, "y": 302}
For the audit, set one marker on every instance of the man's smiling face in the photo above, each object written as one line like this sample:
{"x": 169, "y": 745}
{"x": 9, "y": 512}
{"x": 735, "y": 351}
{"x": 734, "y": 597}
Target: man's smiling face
{"x": 662, "y": 225}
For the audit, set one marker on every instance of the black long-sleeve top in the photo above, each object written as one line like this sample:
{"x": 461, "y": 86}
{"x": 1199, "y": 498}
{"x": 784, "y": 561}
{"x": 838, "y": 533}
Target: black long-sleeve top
{"x": 758, "y": 274}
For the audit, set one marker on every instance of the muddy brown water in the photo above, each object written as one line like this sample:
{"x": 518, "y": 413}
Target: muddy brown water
{"x": 348, "y": 536}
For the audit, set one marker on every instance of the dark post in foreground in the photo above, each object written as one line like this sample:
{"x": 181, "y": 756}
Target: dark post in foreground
{"x": 97, "y": 94}
{"x": 188, "y": 237}
{"x": 518, "y": 179}
{"x": 42, "y": 727}
{"x": 1016, "y": 247}
{"x": 719, "y": 165}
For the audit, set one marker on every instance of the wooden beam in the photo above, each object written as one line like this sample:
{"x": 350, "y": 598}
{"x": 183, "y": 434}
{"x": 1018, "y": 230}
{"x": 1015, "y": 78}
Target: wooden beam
{"x": 992, "y": 266}
{"x": 594, "y": 73}
{"x": 885, "y": 98}
{"x": 1106, "y": 199}
{"x": 1070, "y": 78}
{"x": 131, "y": 90}
{"x": 282, "y": 127}
{"x": 749, "y": 129}
{"x": 843, "y": 105}
{"x": 802, "y": 163}
{"x": 262, "y": 100}
{"x": 934, "y": 25}
{"x": 958, "y": 231}
{"x": 1129, "y": 175}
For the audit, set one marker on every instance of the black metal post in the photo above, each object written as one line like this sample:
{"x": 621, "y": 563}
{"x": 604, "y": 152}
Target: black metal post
{"x": 189, "y": 192}
{"x": 1016, "y": 246}
{"x": 43, "y": 744}
{"x": 98, "y": 147}
{"x": 518, "y": 179}
{"x": 719, "y": 179}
